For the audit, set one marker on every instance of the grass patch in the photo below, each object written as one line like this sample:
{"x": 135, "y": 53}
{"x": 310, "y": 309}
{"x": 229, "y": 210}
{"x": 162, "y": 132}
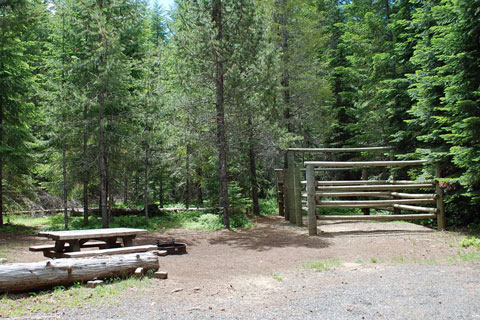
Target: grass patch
{"x": 76, "y": 296}
{"x": 471, "y": 256}
{"x": 399, "y": 260}
{"x": 277, "y": 277}
{"x": 321, "y": 265}
{"x": 422, "y": 261}
{"x": 23, "y": 224}
{"x": 206, "y": 222}
{"x": 470, "y": 241}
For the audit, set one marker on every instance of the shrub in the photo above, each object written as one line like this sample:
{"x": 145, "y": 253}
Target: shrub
{"x": 240, "y": 221}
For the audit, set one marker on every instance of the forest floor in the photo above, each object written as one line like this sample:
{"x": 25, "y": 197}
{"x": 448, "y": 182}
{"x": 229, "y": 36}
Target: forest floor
{"x": 351, "y": 270}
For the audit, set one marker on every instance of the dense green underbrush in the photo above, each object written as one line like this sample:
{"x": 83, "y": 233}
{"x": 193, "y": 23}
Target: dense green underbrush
{"x": 196, "y": 220}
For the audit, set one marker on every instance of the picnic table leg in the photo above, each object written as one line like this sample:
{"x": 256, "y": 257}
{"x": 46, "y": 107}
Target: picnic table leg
{"x": 74, "y": 245}
{"x": 59, "y": 246}
{"x": 111, "y": 242}
{"x": 128, "y": 241}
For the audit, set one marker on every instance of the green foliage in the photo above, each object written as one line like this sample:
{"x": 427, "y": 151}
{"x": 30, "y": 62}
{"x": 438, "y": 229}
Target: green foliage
{"x": 470, "y": 241}
{"x": 321, "y": 265}
{"x": 209, "y": 222}
{"x": 268, "y": 206}
{"x": 197, "y": 220}
{"x": 238, "y": 202}
{"x": 238, "y": 221}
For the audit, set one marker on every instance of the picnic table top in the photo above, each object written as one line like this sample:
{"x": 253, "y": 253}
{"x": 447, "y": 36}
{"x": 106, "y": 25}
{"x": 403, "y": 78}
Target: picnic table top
{"x": 91, "y": 233}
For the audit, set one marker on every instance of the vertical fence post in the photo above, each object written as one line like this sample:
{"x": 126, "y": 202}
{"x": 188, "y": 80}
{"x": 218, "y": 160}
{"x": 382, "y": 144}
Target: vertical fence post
{"x": 291, "y": 187}
{"x": 441, "y": 220}
{"x": 298, "y": 196}
{"x": 366, "y": 211}
{"x": 286, "y": 194}
{"x": 280, "y": 191}
{"x": 311, "y": 201}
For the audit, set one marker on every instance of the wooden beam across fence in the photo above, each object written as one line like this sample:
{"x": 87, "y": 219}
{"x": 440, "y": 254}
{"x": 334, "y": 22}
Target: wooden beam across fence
{"x": 369, "y": 203}
{"x": 363, "y": 182}
{"x": 378, "y": 218}
{"x": 341, "y": 150}
{"x": 379, "y": 187}
{"x": 339, "y": 164}
{"x": 415, "y": 208}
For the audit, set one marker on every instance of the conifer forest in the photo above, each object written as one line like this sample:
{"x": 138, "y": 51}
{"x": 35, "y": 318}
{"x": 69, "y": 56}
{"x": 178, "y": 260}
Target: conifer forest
{"x": 124, "y": 104}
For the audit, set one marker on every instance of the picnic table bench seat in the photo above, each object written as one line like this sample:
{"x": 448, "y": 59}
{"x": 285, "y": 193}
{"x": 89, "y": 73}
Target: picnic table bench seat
{"x": 89, "y": 244}
{"x": 103, "y": 252}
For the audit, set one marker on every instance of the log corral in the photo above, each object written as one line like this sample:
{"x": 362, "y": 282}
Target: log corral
{"x": 387, "y": 195}
{"x": 18, "y": 277}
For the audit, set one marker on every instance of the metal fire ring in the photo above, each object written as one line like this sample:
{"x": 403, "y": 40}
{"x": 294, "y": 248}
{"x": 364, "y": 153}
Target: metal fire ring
{"x": 172, "y": 247}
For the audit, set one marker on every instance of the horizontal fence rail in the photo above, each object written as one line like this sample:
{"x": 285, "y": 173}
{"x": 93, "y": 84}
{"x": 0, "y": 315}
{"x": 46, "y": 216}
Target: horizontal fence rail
{"x": 334, "y": 150}
{"x": 390, "y": 194}
{"x": 378, "y": 187}
{"x": 339, "y": 164}
{"x": 379, "y": 218}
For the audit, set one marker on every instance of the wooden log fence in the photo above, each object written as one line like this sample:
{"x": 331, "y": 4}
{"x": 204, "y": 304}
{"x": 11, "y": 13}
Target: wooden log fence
{"x": 385, "y": 189}
{"x": 389, "y": 195}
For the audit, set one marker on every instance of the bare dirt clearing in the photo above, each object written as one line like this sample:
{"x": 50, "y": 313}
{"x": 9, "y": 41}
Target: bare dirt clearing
{"x": 261, "y": 271}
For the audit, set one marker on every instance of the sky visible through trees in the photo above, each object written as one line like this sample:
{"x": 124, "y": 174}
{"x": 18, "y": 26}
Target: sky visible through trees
{"x": 166, "y": 4}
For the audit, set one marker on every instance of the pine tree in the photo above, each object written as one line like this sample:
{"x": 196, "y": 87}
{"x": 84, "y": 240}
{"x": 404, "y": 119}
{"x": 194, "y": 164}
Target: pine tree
{"x": 17, "y": 81}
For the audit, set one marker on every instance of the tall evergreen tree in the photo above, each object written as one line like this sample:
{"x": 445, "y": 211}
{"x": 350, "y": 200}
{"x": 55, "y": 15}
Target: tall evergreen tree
{"x": 17, "y": 82}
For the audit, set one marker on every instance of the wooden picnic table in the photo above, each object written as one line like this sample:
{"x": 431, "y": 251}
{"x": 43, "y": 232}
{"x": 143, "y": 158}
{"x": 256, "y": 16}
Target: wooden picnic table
{"x": 74, "y": 240}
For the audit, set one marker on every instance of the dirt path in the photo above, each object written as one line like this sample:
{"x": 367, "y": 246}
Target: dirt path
{"x": 261, "y": 272}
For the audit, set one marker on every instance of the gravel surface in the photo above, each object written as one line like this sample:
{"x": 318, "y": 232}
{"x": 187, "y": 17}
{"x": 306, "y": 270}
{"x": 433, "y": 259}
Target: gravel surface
{"x": 363, "y": 291}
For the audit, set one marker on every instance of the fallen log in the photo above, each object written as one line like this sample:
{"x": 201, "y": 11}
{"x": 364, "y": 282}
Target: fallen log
{"x": 17, "y": 277}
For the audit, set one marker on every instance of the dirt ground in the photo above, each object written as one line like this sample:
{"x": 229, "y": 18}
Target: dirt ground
{"x": 258, "y": 265}
{"x": 274, "y": 245}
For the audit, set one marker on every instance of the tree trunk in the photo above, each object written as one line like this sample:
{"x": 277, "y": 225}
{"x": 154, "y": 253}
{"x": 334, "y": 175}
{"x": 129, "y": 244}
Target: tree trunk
{"x": 199, "y": 188}
{"x": 125, "y": 187}
{"x": 145, "y": 190}
{"x": 101, "y": 140}
{"x": 1, "y": 165}
{"x": 285, "y": 77}
{"x": 137, "y": 183}
{"x": 161, "y": 190}
{"x": 85, "y": 166}
{"x": 109, "y": 190}
{"x": 17, "y": 277}
{"x": 253, "y": 170}
{"x": 65, "y": 190}
{"x": 188, "y": 187}
{"x": 221, "y": 137}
